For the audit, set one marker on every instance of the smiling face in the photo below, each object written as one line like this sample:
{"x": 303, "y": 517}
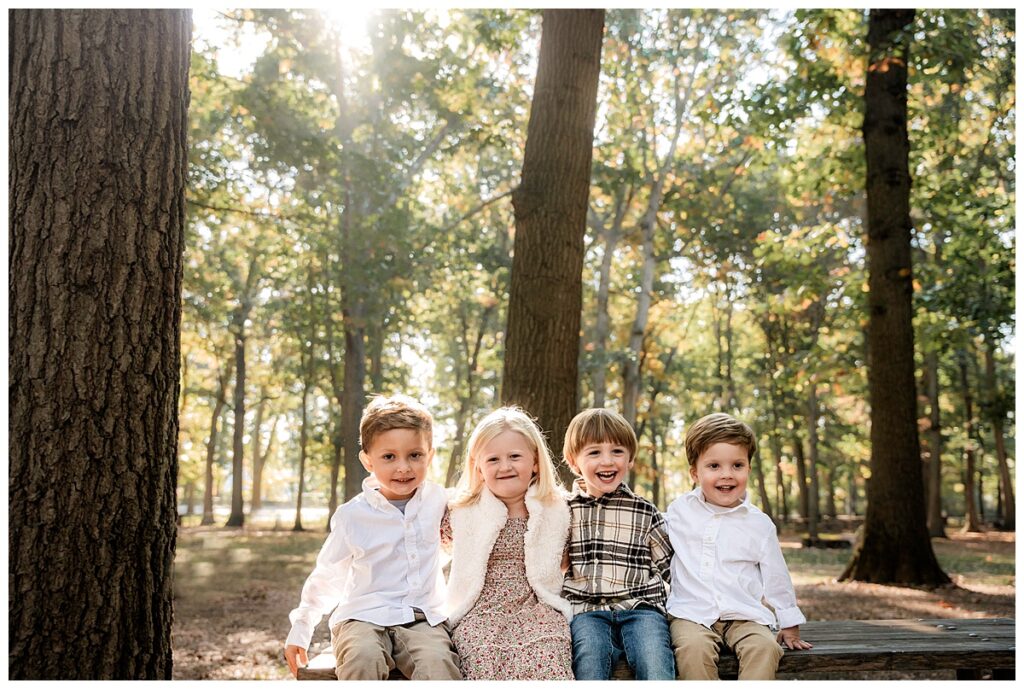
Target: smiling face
{"x": 399, "y": 459}
{"x": 507, "y": 464}
{"x": 603, "y": 466}
{"x": 722, "y": 472}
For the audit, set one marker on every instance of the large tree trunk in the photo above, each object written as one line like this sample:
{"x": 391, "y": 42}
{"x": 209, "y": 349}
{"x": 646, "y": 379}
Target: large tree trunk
{"x": 936, "y": 522}
{"x": 895, "y": 547}
{"x": 550, "y": 206}
{"x": 98, "y": 119}
{"x": 994, "y": 397}
{"x": 237, "y": 516}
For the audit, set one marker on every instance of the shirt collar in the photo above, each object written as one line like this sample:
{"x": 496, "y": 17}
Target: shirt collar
{"x": 371, "y": 490}
{"x": 579, "y": 492}
{"x": 697, "y": 495}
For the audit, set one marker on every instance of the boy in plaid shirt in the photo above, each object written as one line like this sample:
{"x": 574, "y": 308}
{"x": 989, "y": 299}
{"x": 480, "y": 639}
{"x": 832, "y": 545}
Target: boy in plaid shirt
{"x": 618, "y": 556}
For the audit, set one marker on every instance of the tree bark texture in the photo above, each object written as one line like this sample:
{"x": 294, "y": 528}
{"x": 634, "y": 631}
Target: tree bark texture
{"x": 895, "y": 547}
{"x": 550, "y": 207}
{"x": 98, "y": 120}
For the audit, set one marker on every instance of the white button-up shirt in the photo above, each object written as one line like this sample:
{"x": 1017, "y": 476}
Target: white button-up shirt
{"x": 377, "y": 564}
{"x": 726, "y": 560}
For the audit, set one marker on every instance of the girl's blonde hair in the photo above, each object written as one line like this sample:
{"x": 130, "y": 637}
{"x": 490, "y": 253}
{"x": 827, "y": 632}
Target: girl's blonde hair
{"x": 494, "y": 424}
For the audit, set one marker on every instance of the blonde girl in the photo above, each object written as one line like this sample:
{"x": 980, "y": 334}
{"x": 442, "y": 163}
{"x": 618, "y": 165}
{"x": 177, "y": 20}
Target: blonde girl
{"x": 507, "y": 525}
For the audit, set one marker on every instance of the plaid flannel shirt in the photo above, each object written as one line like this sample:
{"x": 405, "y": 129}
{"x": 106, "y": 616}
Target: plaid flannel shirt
{"x": 619, "y": 552}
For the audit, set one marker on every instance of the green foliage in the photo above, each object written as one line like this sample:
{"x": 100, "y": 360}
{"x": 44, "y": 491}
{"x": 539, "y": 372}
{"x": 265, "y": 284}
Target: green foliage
{"x": 339, "y": 190}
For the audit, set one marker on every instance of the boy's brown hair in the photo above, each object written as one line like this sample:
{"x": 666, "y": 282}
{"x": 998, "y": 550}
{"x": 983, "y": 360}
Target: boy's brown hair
{"x": 597, "y": 426}
{"x": 384, "y": 414}
{"x": 718, "y": 428}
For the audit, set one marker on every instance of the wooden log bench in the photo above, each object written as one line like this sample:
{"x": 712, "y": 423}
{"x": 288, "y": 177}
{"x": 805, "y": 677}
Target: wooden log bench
{"x": 970, "y": 647}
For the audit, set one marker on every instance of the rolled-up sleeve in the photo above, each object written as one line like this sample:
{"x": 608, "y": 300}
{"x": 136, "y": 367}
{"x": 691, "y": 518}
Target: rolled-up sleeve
{"x": 778, "y": 587}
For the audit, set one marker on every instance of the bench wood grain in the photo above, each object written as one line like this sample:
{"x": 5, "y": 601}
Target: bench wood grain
{"x": 968, "y": 646}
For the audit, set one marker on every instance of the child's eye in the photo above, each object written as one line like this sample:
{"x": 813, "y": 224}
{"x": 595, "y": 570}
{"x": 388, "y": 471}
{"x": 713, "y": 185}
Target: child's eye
{"x": 389, "y": 456}
{"x": 713, "y": 465}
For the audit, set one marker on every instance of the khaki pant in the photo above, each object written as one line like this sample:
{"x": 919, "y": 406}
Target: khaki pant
{"x": 696, "y": 648}
{"x": 368, "y": 651}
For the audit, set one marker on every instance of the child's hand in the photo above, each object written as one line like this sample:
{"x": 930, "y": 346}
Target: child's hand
{"x": 296, "y": 657}
{"x": 790, "y": 638}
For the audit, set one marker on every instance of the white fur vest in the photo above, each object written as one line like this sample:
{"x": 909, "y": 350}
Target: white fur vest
{"x": 475, "y": 530}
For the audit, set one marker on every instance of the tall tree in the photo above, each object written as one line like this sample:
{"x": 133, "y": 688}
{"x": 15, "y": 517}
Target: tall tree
{"x": 550, "y": 204}
{"x": 98, "y": 119}
{"x": 895, "y": 547}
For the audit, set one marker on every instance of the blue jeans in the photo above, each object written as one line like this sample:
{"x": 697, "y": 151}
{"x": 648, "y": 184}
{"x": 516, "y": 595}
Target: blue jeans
{"x": 600, "y": 638}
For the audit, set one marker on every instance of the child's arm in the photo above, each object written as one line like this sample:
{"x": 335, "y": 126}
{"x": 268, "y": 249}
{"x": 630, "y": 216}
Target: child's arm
{"x": 321, "y": 593}
{"x": 779, "y": 593}
{"x": 661, "y": 547}
{"x": 790, "y": 638}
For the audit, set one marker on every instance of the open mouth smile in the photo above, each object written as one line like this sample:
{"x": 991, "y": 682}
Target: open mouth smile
{"x": 607, "y": 476}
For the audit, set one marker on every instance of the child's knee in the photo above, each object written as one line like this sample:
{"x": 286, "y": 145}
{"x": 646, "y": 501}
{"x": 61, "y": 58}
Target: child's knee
{"x": 759, "y": 646}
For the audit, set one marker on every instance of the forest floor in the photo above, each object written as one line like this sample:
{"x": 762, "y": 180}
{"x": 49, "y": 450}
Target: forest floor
{"x": 234, "y": 589}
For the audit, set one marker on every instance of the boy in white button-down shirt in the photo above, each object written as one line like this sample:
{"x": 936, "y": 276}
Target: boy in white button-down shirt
{"x": 727, "y": 558}
{"x": 379, "y": 569}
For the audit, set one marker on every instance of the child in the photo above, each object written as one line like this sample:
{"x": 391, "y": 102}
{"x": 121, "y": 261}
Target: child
{"x": 508, "y": 525}
{"x": 619, "y": 555}
{"x": 379, "y": 568}
{"x": 727, "y": 557}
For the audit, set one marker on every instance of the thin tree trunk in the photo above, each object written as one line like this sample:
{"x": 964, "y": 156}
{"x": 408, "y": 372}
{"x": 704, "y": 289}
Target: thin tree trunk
{"x": 995, "y": 398}
{"x": 211, "y": 444}
{"x": 936, "y": 522}
{"x": 830, "y": 492}
{"x": 611, "y": 236}
{"x": 354, "y": 398}
{"x": 971, "y": 520}
{"x": 260, "y": 461}
{"x": 895, "y": 548}
{"x": 303, "y": 438}
{"x": 237, "y": 516}
{"x": 801, "y": 477}
{"x": 813, "y": 498}
{"x": 98, "y": 117}
{"x": 550, "y": 208}
{"x": 190, "y": 497}
{"x": 255, "y": 443}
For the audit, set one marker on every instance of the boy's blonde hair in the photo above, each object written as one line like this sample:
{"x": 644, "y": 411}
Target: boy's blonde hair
{"x": 494, "y": 424}
{"x": 597, "y": 426}
{"x": 718, "y": 428}
{"x": 384, "y": 414}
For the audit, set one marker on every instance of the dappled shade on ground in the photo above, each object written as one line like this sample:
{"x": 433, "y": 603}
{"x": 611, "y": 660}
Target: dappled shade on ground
{"x": 234, "y": 589}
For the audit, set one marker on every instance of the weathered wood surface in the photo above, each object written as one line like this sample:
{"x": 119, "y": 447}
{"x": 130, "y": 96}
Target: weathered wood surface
{"x": 860, "y": 646}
